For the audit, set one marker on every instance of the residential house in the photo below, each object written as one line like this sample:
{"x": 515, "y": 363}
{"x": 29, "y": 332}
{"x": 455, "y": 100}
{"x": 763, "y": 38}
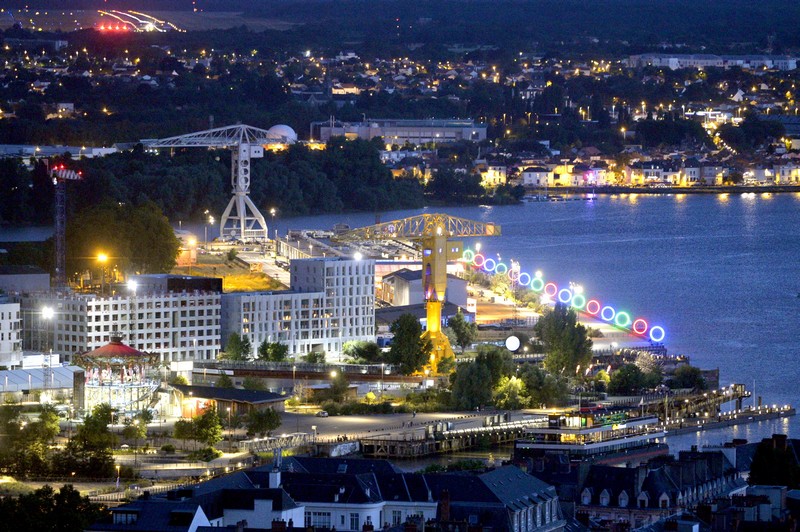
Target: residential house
{"x": 648, "y": 493}
{"x": 537, "y": 176}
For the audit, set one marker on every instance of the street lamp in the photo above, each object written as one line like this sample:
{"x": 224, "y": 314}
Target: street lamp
{"x": 102, "y": 258}
{"x": 135, "y": 440}
{"x": 230, "y": 430}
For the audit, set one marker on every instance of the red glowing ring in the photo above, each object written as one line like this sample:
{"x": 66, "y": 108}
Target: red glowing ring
{"x": 639, "y": 326}
{"x": 592, "y": 307}
{"x": 551, "y": 289}
{"x": 475, "y": 260}
{"x": 513, "y": 275}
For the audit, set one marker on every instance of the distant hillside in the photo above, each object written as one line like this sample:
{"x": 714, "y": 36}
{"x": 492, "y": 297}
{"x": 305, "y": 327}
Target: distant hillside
{"x": 525, "y": 24}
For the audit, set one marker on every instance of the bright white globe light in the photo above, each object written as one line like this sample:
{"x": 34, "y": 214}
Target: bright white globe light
{"x": 512, "y": 343}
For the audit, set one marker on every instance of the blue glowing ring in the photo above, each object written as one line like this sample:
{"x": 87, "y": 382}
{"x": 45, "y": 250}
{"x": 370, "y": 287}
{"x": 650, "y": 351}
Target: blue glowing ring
{"x": 653, "y": 333}
{"x": 578, "y": 301}
{"x": 497, "y": 268}
{"x": 537, "y": 284}
{"x": 562, "y": 297}
{"x": 604, "y": 316}
{"x": 522, "y": 282}
{"x": 627, "y": 319}
{"x": 486, "y": 265}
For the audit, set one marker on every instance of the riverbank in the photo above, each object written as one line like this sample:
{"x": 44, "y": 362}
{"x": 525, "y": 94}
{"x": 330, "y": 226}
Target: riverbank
{"x": 612, "y": 190}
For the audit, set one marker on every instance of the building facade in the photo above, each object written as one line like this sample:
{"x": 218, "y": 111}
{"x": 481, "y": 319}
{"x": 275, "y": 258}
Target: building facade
{"x": 332, "y": 302}
{"x": 176, "y": 326}
{"x": 10, "y": 334}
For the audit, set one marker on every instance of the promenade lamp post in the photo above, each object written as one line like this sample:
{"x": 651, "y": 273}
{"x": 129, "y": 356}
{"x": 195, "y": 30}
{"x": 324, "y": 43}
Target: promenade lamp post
{"x": 294, "y": 387}
{"x": 135, "y": 441}
{"x": 117, "y": 476}
{"x": 230, "y": 430}
{"x": 209, "y": 221}
{"x": 102, "y": 258}
{"x": 383, "y": 365}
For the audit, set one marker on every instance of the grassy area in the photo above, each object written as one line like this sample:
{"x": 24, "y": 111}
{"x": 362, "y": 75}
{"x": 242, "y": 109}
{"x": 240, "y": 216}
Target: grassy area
{"x": 235, "y": 277}
{"x": 10, "y": 487}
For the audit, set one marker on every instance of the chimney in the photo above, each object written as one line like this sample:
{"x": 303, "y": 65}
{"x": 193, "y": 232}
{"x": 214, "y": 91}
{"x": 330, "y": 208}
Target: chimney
{"x": 444, "y": 506}
{"x": 278, "y": 525}
{"x": 275, "y": 478}
{"x": 240, "y": 525}
{"x": 367, "y": 527}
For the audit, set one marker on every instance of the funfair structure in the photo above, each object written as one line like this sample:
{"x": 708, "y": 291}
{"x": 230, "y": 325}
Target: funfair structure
{"x": 571, "y": 296}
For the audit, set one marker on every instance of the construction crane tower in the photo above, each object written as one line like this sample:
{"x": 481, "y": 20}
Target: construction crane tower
{"x": 241, "y": 219}
{"x": 433, "y": 232}
{"x": 60, "y": 175}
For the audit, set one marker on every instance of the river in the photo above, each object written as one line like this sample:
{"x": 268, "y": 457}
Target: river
{"x": 720, "y": 273}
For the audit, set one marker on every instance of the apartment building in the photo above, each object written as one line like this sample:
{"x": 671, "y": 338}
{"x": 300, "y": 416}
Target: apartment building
{"x": 178, "y": 326}
{"x": 10, "y": 337}
{"x": 331, "y": 302}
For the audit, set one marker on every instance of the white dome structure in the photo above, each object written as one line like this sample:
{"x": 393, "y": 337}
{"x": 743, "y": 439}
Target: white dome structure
{"x": 282, "y": 130}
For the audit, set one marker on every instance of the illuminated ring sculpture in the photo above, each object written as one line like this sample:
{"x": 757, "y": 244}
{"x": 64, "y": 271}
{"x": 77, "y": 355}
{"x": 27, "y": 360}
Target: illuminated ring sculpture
{"x": 627, "y": 317}
{"x": 486, "y": 266}
{"x": 593, "y": 307}
{"x": 639, "y": 326}
{"x": 522, "y": 282}
{"x": 513, "y": 275}
{"x": 482, "y": 260}
{"x": 578, "y": 301}
{"x": 551, "y": 289}
{"x": 537, "y": 284}
{"x": 565, "y": 295}
{"x": 656, "y": 331}
{"x": 605, "y": 315}
{"x": 468, "y": 256}
{"x": 497, "y": 268}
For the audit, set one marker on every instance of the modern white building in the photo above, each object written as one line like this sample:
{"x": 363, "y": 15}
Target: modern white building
{"x": 10, "y": 337}
{"x": 331, "y": 302}
{"x": 399, "y": 132}
{"x": 178, "y": 326}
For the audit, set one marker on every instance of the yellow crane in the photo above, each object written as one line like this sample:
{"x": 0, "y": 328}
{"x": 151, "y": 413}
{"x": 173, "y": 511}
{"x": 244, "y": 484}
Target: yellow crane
{"x": 433, "y": 232}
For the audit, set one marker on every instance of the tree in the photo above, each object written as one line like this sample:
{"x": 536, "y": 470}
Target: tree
{"x": 363, "y": 352}
{"x": 498, "y": 362}
{"x": 409, "y": 350}
{"x": 469, "y": 386}
{"x": 253, "y": 383}
{"x": 237, "y": 347}
{"x": 137, "y": 238}
{"x": 510, "y": 393}
{"x": 651, "y": 369}
{"x": 207, "y": 427}
{"x": 183, "y": 430}
{"x": 224, "y": 381}
{"x": 544, "y": 389}
{"x": 89, "y": 452}
{"x": 179, "y": 380}
{"x": 465, "y": 332}
{"x": 339, "y": 386}
{"x": 316, "y": 357}
{"x": 45, "y": 509}
{"x": 566, "y": 344}
{"x": 627, "y": 380}
{"x": 273, "y": 351}
{"x": 688, "y": 377}
{"x": 261, "y": 422}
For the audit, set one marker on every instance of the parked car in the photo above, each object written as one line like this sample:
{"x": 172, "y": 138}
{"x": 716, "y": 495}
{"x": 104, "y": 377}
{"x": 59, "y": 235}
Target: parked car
{"x": 322, "y": 413}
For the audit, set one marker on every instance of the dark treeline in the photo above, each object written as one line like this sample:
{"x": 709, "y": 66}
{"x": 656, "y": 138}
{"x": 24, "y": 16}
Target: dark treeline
{"x": 346, "y": 176}
{"x": 509, "y": 24}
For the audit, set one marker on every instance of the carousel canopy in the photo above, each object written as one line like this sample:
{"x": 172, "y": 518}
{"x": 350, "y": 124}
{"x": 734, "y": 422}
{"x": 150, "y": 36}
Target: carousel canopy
{"x": 115, "y": 353}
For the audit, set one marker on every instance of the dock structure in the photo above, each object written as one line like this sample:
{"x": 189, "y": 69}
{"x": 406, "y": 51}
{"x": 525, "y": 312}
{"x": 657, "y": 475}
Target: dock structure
{"x": 436, "y": 439}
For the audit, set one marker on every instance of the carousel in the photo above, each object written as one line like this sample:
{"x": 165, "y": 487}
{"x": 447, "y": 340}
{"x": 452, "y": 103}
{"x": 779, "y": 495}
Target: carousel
{"x": 117, "y": 374}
